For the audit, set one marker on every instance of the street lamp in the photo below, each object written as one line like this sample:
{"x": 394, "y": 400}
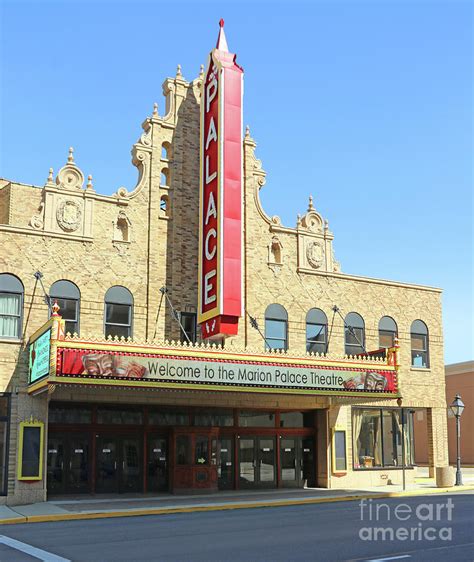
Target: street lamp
{"x": 457, "y": 407}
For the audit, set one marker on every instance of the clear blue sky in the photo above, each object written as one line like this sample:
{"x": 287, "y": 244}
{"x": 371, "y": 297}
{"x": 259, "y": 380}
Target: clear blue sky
{"x": 366, "y": 106}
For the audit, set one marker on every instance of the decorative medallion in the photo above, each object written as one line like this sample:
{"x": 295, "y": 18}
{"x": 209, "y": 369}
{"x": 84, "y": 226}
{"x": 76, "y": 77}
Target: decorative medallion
{"x": 314, "y": 254}
{"x": 69, "y": 215}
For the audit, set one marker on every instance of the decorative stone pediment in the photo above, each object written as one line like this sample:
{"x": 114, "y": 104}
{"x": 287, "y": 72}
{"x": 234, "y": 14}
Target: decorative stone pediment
{"x": 70, "y": 176}
{"x": 315, "y": 252}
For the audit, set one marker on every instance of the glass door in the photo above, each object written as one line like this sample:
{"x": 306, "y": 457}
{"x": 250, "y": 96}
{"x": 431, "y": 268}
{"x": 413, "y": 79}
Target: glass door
{"x": 247, "y": 462}
{"x": 225, "y": 463}
{"x": 266, "y": 462}
{"x": 107, "y": 465}
{"x": 157, "y": 464}
{"x": 130, "y": 473}
{"x": 308, "y": 462}
{"x": 55, "y": 468}
{"x": 290, "y": 462}
{"x": 257, "y": 462}
{"x": 78, "y": 469}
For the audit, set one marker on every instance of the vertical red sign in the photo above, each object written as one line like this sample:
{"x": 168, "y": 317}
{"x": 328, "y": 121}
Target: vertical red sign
{"x": 220, "y": 234}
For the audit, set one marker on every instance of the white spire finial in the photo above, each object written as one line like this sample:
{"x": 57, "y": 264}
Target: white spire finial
{"x": 50, "y": 175}
{"x": 221, "y": 40}
{"x": 201, "y": 71}
{"x": 310, "y": 206}
{"x": 89, "y": 182}
{"x": 155, "y": 109}
{"x": 178, "y": 71}
{"x": 70, "y": 158}
{"x": 247, "y": 132}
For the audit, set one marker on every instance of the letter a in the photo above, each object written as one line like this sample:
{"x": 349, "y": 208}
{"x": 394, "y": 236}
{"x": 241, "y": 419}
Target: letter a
{"x": 211, "y": 134}
{"x": 211, "y": 208}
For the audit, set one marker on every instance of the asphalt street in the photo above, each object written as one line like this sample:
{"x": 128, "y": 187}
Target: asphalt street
{"x": 427, "y": 528}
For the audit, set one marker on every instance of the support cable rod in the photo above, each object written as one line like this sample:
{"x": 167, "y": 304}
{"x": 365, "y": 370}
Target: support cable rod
{"x": 254, "y": 324}
{"x": 350, "y": 328}
{"x": 174, "y": 312}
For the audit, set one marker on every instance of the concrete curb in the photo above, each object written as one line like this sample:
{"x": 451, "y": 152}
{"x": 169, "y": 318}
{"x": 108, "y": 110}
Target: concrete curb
{"x": 225, "y": 507}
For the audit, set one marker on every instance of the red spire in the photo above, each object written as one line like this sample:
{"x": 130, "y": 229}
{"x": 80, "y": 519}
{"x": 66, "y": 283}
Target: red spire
{"x": 221, "y": 40}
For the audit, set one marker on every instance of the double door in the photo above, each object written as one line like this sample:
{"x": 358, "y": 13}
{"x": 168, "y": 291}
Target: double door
{"x": 119, "y": 461}
{"x": 257, "y": 462}
{"x": 68, "y": 463}
{"x": 297, "y": 466}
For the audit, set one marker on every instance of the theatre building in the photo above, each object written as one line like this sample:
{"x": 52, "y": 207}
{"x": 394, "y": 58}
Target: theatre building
{"x": 174, "y": 338}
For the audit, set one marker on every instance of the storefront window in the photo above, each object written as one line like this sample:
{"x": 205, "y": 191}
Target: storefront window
{"x": 113, "y": 416}
{"x": 256, "y": 419}
{"x": 377, "y": 438}
{"x": 215, "y": 419}
{"x": 296, "y": 419}
{"x": 168, "y": 418}
{"x": 64, "y": 414}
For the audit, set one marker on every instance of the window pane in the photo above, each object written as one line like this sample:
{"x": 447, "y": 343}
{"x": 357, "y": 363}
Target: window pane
{"x": 275, "y": 344}
{"x": 111, "y": 330}
{"x": 119, "y": 295}
{"x": 201, "y": 450}
{"x": 188, "y": 321}
{"x": 419, "y": 359}
{"x": 392, "y": 439}
{"x": 67, "y": 308}
{"x": 367, "y": 438}
{"x": 113, "y": 416}
{"x": 292, "y": 419}
{"x": 61, "y": 414}
{"x": 222, "y": 419}
{"x": 256, "y": 419}
{"x": 316, "y": 332}
{"x": 183, "y": 449}
{"x": 71, "y": 327}
{"x": 118, "y": 314}
{"x": 354, "y": 336}
{"x": 418, "y": 342}
{"x": 64, "y": 289}
{"x": 10, "y": 315}
{"x": 168, "y": 418}
{"x": 386, "y": 338}
{"x": 275, "y": 329}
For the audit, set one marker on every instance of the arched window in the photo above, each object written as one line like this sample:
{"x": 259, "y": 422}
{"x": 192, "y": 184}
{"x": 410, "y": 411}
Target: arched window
{"x": 165, "y": 206}
{"x": 354, "y": 332}
{"x": 419, "y": 344}
{"x": 276, "y": 327}
{"x": 165, "y": 151}
{"x": 165, "y": 177}
{"x": 68, "y": 296}
{"x": 316, "y": 331}
{"x": 11, "y": 306}
{"x": 118, "y": 312}
{"x": 387, "y": 331}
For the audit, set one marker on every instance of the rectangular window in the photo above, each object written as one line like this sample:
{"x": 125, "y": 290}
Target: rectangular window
{"x": 419, "y": 350}
{"x": 30, "y": 451}
{"x": 63, "y": 414}
{"x": 117, "y": 416}
{"x": 214, "y": 419}
{"x": 316, "y": 338}
{"x": 296, "y": 419}
{"x": 118, "y": 320}
{"x": 202, "y": 450}
{"x": 168, "y": 418}
{"x": 69, "y": 313}
{"x": 339, "y": 451}
{"x": 354, "y": 341}
{"x": 256, "y": 419}
{"x": 275, "y": 334}
{"x": 381, "y": 438}
{"x": 188, "y": 321}
{"x": 10, "y": 315}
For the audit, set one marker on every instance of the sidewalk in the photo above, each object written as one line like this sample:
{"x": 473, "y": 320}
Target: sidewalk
{"x": 96, "y": 507}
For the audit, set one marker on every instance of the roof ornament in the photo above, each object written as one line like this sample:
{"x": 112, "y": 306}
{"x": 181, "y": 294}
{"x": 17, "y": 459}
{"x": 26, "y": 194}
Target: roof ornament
{"x": 155, "y": 109}
{"x": 310, "y": 206}
{"x": 70, "y": 158}
{"x": 178, "y": 71}
{"x": 89, "y": 184}
{"x": 201, "y": 71}
{"x": 247, "y": 132}
{"x": 221, "y": 40}
{"x": 55, "y": 308}
{"x": 50, "y": 176}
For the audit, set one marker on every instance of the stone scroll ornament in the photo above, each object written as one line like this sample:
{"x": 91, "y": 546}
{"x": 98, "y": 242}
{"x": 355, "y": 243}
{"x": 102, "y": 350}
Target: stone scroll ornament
{"x": 314, "y": 254}
{"x": 220, "y": 206}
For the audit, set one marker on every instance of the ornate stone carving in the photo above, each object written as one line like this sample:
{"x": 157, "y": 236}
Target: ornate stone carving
{"x": 69, "y": 214}
{"x": 37, "y": 221}
{"x": 314, "y": 254}
{"x": 70, "y": 176}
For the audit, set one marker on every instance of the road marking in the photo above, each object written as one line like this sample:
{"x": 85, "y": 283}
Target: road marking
{"x": 32, "y": 550}
{"x": 390, "y": 558}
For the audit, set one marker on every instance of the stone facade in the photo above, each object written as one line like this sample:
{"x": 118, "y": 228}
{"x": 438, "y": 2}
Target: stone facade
{"x": 148, "y": 238}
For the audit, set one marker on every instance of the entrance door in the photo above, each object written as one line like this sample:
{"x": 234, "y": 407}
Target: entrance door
{"x": 119, "y": 465}
{"x": 225, "y": 463}
{"x": 257, "y": 462}
{"x": 297, "y": 462}
{"x": 68, "y": 469}
{"x": 157, "y": 464}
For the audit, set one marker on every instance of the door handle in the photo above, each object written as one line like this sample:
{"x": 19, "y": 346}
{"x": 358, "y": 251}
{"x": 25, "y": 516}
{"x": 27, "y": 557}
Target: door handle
{"x": 123, "y": 465}
{"x": 62, "y": 465}
{"x": 115, "y": 465}
{"x": 70, "y": 465}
